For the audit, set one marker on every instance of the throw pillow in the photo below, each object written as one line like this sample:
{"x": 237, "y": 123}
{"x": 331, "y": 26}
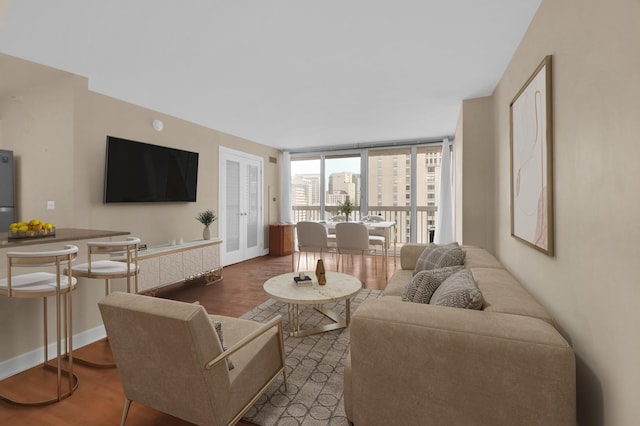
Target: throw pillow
{"x": 218, "y": 326}
{"x": 439, "y": 256}
{"x": 424, "y": 283}
{"x": 458, "y": 291}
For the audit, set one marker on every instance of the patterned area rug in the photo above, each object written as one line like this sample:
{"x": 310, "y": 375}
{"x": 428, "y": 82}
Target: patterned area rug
{"x": 315, "y": 370}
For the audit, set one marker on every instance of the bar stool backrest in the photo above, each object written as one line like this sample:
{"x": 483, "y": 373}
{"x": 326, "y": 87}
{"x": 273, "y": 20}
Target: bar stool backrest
{"x": 128, "y": 247}
{"x": 57, "y": 258}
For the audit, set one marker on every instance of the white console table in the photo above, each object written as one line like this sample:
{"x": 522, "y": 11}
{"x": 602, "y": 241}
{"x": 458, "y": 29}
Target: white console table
{"x": 169, "y": 264}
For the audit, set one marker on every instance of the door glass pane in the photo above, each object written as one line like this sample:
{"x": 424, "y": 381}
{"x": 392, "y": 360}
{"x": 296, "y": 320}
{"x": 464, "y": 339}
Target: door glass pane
{"x": 305, "y": 188}
{"x": 428, "y": 194}
{"x": 233, "y": 206}
{"x": 252, "y": 191}
{"x": 342, "y": 183}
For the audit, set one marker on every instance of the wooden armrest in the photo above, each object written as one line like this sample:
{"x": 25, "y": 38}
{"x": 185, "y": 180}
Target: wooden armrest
{"x": 277, "y": 321}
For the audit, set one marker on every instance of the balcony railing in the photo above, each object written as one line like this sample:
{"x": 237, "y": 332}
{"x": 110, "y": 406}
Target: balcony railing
{"x": 426, "y": 219}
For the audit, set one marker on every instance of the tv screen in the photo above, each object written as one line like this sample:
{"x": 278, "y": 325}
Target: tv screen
{"x": 137, "y": 172}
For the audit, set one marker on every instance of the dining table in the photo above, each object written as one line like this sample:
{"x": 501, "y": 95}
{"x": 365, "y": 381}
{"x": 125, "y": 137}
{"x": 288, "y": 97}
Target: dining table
{"x": 389, "y": 228}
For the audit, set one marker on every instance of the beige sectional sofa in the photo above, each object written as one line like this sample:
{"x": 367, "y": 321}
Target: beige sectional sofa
{"x": 421, "y": 364}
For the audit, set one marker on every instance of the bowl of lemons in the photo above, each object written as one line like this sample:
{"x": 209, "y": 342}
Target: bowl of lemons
{"x": 35, "y": 228}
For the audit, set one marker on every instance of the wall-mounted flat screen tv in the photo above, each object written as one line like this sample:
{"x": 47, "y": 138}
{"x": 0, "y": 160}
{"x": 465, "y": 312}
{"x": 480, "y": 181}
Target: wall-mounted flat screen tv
{"x": 137, "y": 172}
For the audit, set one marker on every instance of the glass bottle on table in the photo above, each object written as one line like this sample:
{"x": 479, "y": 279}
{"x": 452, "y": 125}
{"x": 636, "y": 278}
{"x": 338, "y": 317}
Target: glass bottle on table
{"x": 320, "y": 274}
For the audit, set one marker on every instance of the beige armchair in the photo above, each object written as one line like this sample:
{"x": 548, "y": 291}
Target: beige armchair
{"x": 170, "y": 358}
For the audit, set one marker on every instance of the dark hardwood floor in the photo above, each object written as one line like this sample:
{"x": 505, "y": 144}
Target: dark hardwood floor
{"x": 99, "y": 398}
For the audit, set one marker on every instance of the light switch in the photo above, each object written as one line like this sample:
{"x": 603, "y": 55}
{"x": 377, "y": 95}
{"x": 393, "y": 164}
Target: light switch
{"x": 51, "y": 205}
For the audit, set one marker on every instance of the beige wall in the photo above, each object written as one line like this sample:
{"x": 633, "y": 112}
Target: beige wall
{"x": 57, "y": 130}
{"x": 475, "y": 173}
{"x": 591, "y": 284}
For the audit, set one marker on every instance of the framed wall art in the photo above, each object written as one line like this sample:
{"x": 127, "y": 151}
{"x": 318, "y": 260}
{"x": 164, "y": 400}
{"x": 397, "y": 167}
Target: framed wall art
{"x": 531, "y": 139}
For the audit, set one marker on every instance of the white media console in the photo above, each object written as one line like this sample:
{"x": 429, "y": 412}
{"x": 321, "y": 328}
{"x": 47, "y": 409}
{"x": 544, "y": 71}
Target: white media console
{"x": 168, "y": 264}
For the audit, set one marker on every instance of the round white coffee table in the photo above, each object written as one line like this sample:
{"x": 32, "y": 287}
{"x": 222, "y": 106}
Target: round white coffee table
{"x": 338, "y": 287}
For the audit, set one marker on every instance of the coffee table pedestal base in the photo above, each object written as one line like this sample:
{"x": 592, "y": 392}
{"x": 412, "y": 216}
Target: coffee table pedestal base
{"x": 339, "y": 321}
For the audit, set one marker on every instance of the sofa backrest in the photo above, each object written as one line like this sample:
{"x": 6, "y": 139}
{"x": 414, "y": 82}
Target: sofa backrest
{"x": 409, "y": 254}
{"x": 501, "y": 291}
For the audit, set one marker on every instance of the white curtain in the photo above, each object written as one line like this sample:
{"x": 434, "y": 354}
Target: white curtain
{"x": 444, "y": 220}
{"x": 285, "y": 189}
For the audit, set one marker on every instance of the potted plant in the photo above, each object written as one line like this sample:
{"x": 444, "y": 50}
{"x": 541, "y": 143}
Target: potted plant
{"x": 206, "y": 218}
{"x": 345, "y": 208}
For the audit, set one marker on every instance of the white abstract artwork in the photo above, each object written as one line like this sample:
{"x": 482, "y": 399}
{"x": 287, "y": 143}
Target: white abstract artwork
{"x": 531, "y": 166}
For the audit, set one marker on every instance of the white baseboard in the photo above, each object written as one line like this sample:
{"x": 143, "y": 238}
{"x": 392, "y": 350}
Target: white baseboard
{"x": 35, "y": 357}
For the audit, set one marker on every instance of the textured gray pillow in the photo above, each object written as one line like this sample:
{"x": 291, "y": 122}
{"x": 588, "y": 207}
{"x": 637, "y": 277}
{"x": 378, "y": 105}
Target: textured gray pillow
{"x": 218, "y": 326}
{"x": 458, "y": 291}
{"x": 439, "y": 256}
{"x": 424, "y": 283}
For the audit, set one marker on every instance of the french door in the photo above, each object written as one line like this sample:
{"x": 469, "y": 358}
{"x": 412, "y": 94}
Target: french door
{"x": 241, "y": 221}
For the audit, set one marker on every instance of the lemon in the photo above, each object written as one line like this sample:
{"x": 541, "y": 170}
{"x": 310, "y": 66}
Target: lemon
{"x": 23, "y": 228}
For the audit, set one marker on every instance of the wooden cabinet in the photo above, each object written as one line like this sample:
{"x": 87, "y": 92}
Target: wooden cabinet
{"x": 165, "y": 265}
{"x": 280, "y": 243}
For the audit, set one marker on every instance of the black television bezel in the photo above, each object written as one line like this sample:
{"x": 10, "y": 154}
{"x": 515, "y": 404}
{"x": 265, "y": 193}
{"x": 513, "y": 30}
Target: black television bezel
{"x": 150, "y": 147}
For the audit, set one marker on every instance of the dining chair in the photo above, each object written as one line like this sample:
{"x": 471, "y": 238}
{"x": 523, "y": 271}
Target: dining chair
{"x": 46, "y": 284}
{"x": 312, "y": 237}
{"x": 353, "y": 238}
{"x": 377, "y": 237}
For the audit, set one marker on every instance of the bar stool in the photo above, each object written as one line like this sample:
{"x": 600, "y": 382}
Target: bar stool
{"x": 107, "y": 270}
{"x": 110, "y": 269}
{"x": 46, "y": 284}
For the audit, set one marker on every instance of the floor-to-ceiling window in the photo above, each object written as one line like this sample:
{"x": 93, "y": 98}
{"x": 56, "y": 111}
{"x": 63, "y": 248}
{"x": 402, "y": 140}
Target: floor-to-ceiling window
{"x": 427, "y": 193}
{"x": 342, "y": 183}
{"x": 389, "y": 188}
{"x": 306, "y": 187}
{"x": 399, "y": 183}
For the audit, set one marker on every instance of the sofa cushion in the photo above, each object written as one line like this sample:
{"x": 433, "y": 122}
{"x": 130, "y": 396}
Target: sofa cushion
{"x": 458, "y": 291}
{"x": 424, "y": 283}
{"x": 397, "y": 282}
{"x": 503, "y": 293}
{"x": 439, "y": 256}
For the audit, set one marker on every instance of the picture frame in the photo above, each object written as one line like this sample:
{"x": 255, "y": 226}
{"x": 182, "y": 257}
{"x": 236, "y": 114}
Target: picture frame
{"x": 531, "y": 144}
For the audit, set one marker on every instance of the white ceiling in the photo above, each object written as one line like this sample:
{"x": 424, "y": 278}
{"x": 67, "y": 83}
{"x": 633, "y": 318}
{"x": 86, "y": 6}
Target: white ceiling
{"x": 290, "y": 74}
